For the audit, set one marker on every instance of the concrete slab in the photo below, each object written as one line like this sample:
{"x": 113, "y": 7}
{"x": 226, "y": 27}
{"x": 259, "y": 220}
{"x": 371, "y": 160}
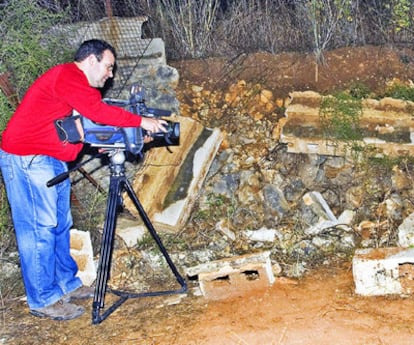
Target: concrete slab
{"x": 169, "y": 182}
{"x": 235, "y": 276}
{"x": 383, "y": 271}
{"x": 387, "y": 126}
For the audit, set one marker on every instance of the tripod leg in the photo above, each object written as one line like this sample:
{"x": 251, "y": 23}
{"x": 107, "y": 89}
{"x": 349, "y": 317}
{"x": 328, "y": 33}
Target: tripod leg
{"x": 119, "y": 184}
{"x": 104, "y": 265}
{"x": 153, "y": 233}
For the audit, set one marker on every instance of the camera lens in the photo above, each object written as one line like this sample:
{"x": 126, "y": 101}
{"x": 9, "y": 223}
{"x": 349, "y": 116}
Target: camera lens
{"x": 174, "y": 131}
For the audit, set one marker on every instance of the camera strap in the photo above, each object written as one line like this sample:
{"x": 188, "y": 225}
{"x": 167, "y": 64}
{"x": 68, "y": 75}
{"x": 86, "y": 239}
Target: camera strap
{"x": 69, "y": 128}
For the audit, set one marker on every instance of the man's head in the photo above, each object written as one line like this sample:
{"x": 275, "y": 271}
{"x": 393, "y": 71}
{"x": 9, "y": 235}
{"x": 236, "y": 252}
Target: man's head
{"x": 96, "y": 58}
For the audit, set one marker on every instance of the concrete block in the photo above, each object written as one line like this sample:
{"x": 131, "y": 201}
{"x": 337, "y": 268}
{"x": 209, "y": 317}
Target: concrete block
{"x": 81, "y": 250}
{"x": 235, "y": 276}
{"x": 383, "y": 271}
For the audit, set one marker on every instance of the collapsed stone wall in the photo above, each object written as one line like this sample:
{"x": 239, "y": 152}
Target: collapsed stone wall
{"x": 305, "y": 206}
{"x": 387, "y": 125}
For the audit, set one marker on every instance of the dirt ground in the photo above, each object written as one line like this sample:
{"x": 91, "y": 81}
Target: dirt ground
{"x": 320, "y": 308}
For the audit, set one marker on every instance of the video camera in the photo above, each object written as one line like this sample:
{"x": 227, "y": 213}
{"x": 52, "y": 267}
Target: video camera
{"x": 131, "y": 138}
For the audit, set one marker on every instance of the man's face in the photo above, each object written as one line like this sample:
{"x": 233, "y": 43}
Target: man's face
{"x": 100, "y": 71}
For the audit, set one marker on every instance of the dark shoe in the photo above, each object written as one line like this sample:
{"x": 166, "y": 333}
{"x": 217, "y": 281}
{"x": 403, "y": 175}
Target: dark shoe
{"x": 83, "y": 292}
{"x": 60, "y": 311}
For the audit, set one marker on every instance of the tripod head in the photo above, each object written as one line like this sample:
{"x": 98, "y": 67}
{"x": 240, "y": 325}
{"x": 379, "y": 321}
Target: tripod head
{"x": 117, "y": 162}
{"x": 117, "y": 158}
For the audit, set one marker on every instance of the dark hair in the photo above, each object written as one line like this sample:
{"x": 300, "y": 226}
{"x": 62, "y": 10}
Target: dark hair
{"x": 95, "y": 47}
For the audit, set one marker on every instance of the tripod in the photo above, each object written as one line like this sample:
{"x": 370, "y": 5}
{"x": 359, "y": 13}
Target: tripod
{"x": 119, "y": 183}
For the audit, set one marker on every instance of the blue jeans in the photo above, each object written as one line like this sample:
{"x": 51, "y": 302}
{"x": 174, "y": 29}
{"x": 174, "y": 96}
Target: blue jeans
{"x": 42, "y": 220}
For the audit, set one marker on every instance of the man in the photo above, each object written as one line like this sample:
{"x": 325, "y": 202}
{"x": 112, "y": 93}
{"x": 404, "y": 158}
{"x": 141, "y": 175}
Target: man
{"x": 31, "y": 154}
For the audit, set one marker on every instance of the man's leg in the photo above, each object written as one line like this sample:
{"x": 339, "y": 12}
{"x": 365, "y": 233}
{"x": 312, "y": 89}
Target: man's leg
{"x": 66, "y": 267}
{"x": 34, "y": 212}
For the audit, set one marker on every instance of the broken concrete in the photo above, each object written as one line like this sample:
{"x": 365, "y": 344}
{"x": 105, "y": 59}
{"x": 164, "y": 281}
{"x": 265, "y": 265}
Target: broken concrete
{"x": 81, "y": 250}
{"x": 233, "y": 277}
{"x": 383, "y": 271}
{"x": 129, "y": 231}
{"x": 169, "y": 182}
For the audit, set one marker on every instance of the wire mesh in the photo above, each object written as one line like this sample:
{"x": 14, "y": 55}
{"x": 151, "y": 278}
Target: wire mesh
{"x": 119, "y": 22}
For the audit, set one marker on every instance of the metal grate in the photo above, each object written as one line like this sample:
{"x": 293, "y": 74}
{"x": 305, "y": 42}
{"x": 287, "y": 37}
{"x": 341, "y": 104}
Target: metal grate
{"x": 119, "y": 22}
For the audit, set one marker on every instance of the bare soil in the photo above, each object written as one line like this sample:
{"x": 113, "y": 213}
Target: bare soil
{"x": 320, "y": 308}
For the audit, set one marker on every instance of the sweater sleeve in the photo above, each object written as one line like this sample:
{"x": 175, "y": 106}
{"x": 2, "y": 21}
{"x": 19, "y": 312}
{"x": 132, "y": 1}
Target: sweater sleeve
{"x": 76, "y": 91}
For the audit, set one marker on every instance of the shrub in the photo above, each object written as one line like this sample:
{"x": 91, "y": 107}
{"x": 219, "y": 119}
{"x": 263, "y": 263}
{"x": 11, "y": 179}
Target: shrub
{"x": 27, "y": 48}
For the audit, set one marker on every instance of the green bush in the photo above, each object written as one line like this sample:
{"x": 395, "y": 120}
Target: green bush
{"x": 340, "y": 117}
{"x": 402, "y": 92}
{"x": 27, "y": 48}
{"x": 359, "y": 90}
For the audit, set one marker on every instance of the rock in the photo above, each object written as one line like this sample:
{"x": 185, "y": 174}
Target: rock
{"x": 274, "y": 201}
{"x": 222, "y": 226}
{"x": 406, "y": 232}
{"x": 262, "y": 235}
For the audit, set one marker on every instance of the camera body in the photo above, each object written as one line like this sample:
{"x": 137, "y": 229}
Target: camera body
{"x": 131, "y": 138}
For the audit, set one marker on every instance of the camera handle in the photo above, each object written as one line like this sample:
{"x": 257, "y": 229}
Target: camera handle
{"x": 119, "y": 183}
{"x": 63, "y": 176}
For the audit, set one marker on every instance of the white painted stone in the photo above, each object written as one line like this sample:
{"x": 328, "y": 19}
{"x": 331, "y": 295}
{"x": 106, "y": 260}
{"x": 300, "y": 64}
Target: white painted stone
{"x": 223, "y": 228}
{"x": 327, "y": 219}
{"x": 131, "y": 235}
{"x": 346, "y": 218}
{"x": 321, "y": 226}
{"x": 261, "y": 235}
{"x": 174, "y": 215}
{"x": 81, "y": 250}
{"x": 377, "y": 271}
{"x": 406, "y": 232}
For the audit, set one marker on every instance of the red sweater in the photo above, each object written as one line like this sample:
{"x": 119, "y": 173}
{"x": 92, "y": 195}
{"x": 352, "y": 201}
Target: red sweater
{"x": 54, "y": 95}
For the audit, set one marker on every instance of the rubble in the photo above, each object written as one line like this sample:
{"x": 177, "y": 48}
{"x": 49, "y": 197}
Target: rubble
{"x": 233, "y": 276}
{"x": 383, "y": 271}
{"x": 269, "y": 188}
{"x": 304, "y": 208}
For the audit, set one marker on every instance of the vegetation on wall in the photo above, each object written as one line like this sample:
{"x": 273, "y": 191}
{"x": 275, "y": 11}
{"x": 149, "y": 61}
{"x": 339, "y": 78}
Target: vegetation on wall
{"x": 340, "y": 117}
{"x": 27, "y": 47}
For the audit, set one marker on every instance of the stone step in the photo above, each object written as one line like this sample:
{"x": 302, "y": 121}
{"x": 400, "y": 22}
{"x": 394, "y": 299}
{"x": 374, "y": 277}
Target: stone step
{"x": 383, "y": 271}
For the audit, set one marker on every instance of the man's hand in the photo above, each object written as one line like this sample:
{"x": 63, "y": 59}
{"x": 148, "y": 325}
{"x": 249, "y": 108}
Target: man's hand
{"x": 153, "y": 125}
